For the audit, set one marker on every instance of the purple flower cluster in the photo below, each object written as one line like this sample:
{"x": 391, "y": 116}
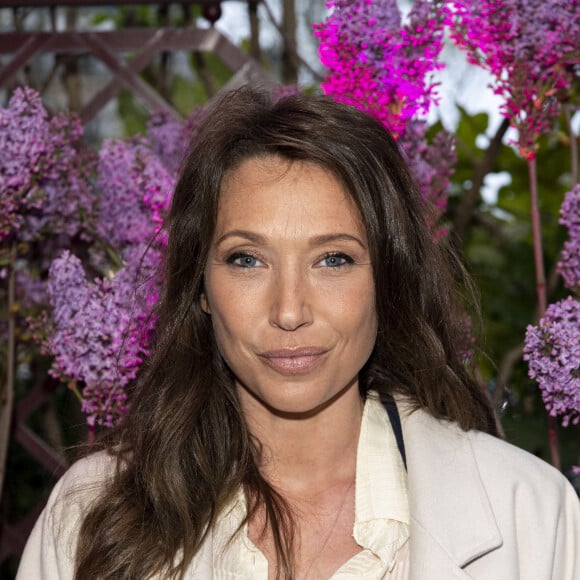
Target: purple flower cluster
{"x": 377, "y": 63}
{"x": 41, "y": 180}
{"x": 169, "y": 139}
{"x": 131, "y": 182}
{"x": 569, "y": 264}
{"x": 432, "y": 164}
{"x": 24, "y": 142}
{"x": 101, "y": 330}
{"x": 70, "y": 201}
{"x": 552, "y": 350}
{"x": 530, "y": 47}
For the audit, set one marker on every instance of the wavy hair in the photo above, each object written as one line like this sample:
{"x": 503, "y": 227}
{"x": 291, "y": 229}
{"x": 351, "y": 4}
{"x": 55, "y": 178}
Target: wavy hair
{"x": 184, "y": 450}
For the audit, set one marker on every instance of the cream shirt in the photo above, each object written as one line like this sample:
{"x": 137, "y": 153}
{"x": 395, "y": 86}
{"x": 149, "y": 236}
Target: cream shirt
{"x": 381, "y": 525}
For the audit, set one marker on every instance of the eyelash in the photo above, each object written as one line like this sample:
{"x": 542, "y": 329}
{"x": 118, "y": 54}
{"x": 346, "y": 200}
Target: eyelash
{"x": 238, "y": 255}
{"x": 233, "y": 258}
{"x": 347, "y": 260}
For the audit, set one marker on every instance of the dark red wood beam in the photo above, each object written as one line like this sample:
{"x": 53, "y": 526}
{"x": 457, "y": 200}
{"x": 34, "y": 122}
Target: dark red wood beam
{"x": 58, "y": 3}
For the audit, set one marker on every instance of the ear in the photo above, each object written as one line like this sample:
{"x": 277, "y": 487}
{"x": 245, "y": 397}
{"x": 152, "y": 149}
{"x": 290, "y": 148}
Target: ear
{"x": 204, "y": 303}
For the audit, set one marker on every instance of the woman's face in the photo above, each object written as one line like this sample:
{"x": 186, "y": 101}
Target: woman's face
{"x": 289, "y": 285}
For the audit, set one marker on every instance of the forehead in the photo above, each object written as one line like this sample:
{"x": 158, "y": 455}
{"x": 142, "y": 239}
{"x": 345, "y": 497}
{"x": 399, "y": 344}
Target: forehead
{"x": 274, "y": 192}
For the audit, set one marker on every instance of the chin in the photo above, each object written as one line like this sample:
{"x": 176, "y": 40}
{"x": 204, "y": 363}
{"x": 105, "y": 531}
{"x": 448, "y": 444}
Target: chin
{"x": 295, "y": 401}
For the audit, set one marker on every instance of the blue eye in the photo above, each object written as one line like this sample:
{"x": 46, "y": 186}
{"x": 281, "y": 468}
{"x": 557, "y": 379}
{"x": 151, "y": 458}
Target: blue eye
{"x": 242, "y": 260}
{"x": 336, "y": 260}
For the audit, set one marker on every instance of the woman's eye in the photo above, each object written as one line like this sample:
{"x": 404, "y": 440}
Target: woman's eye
{"x": 243, "y": 260}
{"x": 335, "y": 260}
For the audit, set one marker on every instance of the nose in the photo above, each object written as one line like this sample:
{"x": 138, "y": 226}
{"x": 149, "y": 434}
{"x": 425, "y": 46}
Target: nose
{"x": 290, "y": 304}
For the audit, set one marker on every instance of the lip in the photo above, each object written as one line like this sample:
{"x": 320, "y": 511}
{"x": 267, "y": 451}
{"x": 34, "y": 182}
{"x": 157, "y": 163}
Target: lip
{"x": 294, "y": 361}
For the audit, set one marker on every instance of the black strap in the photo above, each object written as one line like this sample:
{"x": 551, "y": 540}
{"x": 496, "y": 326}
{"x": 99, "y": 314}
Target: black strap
{"x": 391, "y": 408}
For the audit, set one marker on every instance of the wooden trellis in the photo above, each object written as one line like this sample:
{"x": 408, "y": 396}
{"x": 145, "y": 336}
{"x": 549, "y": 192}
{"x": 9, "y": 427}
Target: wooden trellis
{"x": 143, "y": 44}
{"x": 126, "y": 53}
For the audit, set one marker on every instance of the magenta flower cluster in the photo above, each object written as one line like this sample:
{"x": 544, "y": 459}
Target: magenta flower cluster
{"x": 530, "y": 47}
{"x": 552, "y": 350}
{"x": 41, "y": 178}
{"x": 569, "y": 264}
{"x": 385, "y": 66}
{"x": 377, "y": 63}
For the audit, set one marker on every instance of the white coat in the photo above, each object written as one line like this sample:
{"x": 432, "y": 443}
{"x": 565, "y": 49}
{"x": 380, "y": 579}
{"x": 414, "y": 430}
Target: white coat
{"x": 481, "y": 509}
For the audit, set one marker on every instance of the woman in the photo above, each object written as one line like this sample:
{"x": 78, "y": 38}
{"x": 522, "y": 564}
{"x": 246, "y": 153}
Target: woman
{"x": 306, "y": 316}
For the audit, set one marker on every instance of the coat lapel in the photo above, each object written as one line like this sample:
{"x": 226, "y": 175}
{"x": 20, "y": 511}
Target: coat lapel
{"x": 452, "y": 521}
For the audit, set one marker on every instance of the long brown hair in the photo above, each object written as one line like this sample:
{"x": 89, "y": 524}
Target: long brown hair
{"x": 184, "y": 449}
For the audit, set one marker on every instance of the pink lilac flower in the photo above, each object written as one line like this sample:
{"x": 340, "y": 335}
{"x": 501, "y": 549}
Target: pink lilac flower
{"x": 41, "y": 179}
{"x": 432, "y": 164}
{"x": 377, "y": 63}
{"x": 24, "y": 144}
{"x": 70, "y": 200}
{"x": 385, "y": 67}
{"x": 168, "y": 140}
{"x": 31, "y": 290}
{"x": 131, "y": 182}
{"x": 530, "y": 47}
{"x": 101, "y": 330}
{"x": 569, "y": 264}
{"x": 552, "y": 350}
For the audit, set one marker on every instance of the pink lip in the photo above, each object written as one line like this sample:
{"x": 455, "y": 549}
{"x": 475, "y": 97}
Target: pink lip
{"x": 294, "y": 360}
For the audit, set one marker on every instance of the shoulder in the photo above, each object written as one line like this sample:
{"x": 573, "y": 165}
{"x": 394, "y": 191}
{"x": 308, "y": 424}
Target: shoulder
{"x": 94, "y": 469}
{"x": 50, "y": 549}
{"x": 512, "y": 475}
{"x": 534, "y": 506}
{"x": 506, "y": 457}
{"x": 82, "y": 484}
{"x": 514, "y": 467}
{"x": 467, "y": 488}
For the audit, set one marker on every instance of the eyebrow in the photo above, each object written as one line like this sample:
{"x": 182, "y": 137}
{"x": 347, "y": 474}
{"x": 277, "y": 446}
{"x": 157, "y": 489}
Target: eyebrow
{"x": 314, "y": 241}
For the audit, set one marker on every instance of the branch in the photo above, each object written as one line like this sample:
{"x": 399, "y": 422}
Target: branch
{"x": 492, "y": 226}
{"x": 291, "y": 46}
{"x": 506, "y": 368}
{"x": 472, "y": 196}
{"x": 573, "y": 145}
{"x": 255, "y": 49}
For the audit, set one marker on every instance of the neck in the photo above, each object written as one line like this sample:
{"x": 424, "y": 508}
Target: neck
{"x": 304, "y": 454}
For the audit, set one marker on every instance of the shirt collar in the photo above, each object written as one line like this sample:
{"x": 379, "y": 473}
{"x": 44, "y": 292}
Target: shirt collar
{"x": 382, "y": 503}
{"x": 381, "y": 499}
{"x": 381, "y": 478}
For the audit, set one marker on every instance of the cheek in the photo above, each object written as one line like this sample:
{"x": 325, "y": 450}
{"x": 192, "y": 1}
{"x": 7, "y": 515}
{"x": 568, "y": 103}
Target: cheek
{"x": 354, "y": 301}
{"x": 350, "y": 310}
{"x": 233, "y": 315}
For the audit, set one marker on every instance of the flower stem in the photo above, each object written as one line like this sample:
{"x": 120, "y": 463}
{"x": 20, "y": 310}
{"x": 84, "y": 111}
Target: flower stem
{"x": 537, "y": 234}
{"x": 573, "y": 145}
{"x": 541, "y": 291}
{"x": 72, "y": 386}
{"x": 7, "y": 392}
